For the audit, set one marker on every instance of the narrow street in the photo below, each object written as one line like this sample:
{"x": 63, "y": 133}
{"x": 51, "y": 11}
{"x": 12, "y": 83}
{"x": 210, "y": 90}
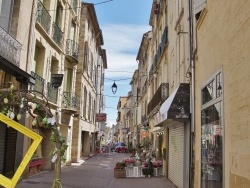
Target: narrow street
{"x": 95, "y": 172}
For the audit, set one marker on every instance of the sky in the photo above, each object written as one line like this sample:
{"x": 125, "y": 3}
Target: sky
{"x": 123, "y": 23}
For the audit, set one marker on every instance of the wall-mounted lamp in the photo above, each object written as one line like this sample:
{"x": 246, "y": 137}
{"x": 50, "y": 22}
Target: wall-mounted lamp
{"x": 114, "y": 88}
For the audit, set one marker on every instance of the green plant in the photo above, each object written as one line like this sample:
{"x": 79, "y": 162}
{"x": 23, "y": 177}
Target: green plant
{"x": 147, "y": 171}
{"x": 146, "y": 143}
{"x": 120, "y": 165}
{"x": 15, "y": 103}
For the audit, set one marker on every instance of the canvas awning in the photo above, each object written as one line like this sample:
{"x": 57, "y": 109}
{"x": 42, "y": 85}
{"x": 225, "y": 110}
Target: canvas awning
{"x": 13, "y": 70}
{"x": 176, "y": 107}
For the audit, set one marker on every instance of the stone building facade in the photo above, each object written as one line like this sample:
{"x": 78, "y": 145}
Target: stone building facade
{"x": 89, "y": 84}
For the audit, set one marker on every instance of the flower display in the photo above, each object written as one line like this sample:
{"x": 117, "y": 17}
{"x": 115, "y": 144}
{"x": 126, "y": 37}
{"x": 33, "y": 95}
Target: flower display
{"x": 129, "y": 161}
{"x": 157, "y": 163}
{"x": 120, "y": 165}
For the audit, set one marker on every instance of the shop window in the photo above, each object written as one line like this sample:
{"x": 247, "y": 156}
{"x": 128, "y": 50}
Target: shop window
{"x": 212, "y": 134}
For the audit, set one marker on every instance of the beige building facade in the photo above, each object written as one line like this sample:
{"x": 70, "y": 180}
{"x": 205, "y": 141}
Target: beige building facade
{"x": 55, "y": 51}
{"x": 222, "y": 73}
{"x": 49, "y": 54}
{"x": 89, "y": 84}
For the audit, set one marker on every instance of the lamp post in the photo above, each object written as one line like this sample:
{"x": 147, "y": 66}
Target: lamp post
{"x": 114, "y": 88}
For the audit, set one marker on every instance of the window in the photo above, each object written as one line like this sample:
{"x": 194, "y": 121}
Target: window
{"x": 199, "y": 5}
{"x": 89, "y": 107}
{"x": 85, "y": 103}
{"x": 213, "y": 90}
{"x": 59, "y": 10}
{"x": 212, "y": 134}
{"x": 5, "y": 14}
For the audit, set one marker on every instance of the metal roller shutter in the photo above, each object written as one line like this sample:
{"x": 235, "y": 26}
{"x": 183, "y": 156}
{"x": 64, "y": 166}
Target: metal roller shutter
{"x": 175, "y": 166}
{"x": 2, "y": 146}
{"x": 10, "y": 152}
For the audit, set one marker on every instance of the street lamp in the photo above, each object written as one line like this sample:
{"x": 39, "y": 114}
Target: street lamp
{"x": 114, "y": 88}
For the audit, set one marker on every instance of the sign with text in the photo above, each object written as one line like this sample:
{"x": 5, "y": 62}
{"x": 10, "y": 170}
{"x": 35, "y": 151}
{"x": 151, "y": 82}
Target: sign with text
{"x": 101, "y": 117}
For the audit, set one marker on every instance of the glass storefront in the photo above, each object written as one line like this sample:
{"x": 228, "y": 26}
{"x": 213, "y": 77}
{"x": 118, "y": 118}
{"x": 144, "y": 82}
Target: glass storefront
{"x": 212, "y": 136}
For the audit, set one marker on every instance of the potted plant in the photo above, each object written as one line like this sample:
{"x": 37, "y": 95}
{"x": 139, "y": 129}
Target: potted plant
{"x": 129, "y": 162}
{"x": 119, "y": 170}
{"x": 148, "y": 169}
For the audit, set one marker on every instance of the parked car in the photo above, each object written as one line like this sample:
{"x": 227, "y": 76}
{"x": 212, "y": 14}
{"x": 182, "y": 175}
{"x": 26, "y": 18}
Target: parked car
{"x": 121, "y": 147}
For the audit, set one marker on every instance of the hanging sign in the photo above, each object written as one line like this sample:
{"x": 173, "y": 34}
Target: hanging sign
{"x": 56, "y": 80}
{"x": 101, "y": 117}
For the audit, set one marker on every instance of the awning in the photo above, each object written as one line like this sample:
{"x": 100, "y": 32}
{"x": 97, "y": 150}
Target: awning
{"x": 21, "y": 75}
{"x": 176, "y": 107}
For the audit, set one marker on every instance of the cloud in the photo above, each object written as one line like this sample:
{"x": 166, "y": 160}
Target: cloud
{"x": 122, "y": 42}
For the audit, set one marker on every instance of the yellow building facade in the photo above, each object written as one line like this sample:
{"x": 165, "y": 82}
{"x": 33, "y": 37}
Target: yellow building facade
{"x": 222, "y": 104}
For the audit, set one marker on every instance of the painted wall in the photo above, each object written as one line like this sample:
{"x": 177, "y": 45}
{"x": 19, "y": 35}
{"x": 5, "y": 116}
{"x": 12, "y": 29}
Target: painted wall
{"x": 224, "y": 44}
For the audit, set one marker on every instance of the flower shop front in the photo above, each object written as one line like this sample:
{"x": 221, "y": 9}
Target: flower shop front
{"x": 132, "y": 168}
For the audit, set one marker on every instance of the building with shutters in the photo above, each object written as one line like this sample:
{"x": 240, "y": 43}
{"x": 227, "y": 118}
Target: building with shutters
{"x": 169, "y": 99}
{"x": 14, "y": 64}
{"x": 87, "y": 133}
{"x": 46, "y": 58}
{"x": 55, "y": 53}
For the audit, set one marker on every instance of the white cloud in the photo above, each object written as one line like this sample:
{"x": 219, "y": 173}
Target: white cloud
{"x": 122, "y": 42}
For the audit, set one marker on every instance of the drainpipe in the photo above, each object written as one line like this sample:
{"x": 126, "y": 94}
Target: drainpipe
{"x": 192, "y": 92}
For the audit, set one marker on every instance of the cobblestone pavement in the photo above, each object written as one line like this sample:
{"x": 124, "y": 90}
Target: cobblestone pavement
{"x": 95, "y": 172}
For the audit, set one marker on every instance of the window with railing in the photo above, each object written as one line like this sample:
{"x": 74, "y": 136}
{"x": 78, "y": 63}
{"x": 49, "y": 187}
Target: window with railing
{"x": 158, "y": 98}
{"x": 52, "y": 93}
{"x": 39, "y": 84}
{"x": 72, "y": 48}
{"x": 10, "y": 49}
{"x": 57, "y": 35}
{"x": 43, "y": 17}
{"x": 69, "y": 100}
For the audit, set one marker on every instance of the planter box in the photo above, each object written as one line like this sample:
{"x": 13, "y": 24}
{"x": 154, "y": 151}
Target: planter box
{"x": 129, "y": 171}
{"x": 120, "y": 173}
{"x": 158, "y": 171}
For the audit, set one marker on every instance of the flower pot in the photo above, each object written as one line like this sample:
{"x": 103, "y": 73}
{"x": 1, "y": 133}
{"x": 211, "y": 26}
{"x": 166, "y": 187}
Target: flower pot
{"x": 120, "y": 173}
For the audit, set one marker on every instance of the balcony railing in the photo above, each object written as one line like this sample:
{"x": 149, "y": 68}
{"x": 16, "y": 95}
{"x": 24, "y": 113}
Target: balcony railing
{"x": 52, "y": 93}
{"x": 72, "y": 48}
{"x": 43, "y": 17}
{"x": 164, "y": 40}
{"x": 10, "y": 49}
{"x": 57, "y": 35}
{"x": 69, "y": 100}
{"x": 39, "y": 84}
{"x": 159, "y": 97}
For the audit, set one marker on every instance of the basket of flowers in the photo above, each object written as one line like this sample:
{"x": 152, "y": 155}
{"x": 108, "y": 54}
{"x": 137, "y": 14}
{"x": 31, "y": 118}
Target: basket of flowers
{"x": 129, "y": 162}
{"x": 119, "y": 170}
{"x": 157, "y": 164}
